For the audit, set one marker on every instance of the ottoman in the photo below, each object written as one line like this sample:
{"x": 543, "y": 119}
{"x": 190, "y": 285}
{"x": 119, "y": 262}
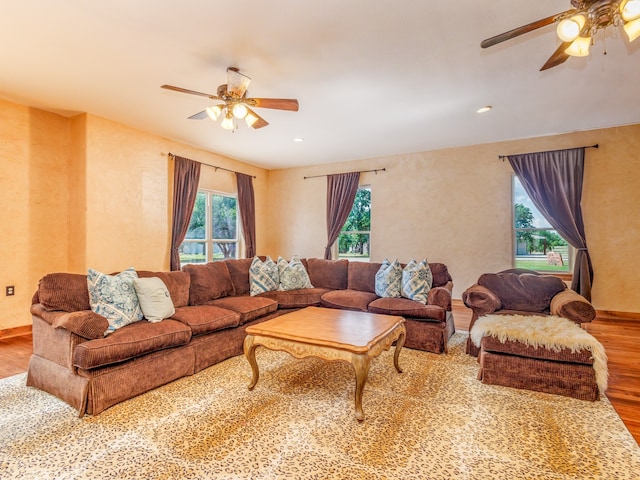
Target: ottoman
{"x": 542, "y": 353}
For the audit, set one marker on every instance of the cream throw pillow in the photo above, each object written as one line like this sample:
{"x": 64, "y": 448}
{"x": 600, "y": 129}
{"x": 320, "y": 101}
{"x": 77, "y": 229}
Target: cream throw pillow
{"x": 155, "y": 300}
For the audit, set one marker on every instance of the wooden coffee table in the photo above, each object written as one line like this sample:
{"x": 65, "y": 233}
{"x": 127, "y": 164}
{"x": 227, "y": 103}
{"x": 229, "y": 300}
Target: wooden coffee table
{"x": 329, "y": 334}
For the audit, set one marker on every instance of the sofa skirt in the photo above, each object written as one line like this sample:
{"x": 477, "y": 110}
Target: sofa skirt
{"x": 429, "y": 336}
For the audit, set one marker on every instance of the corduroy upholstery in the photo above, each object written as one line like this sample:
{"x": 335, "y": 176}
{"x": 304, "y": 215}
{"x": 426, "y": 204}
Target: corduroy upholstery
{"x": 73, "y": 360}
{"x": 516, "y": 364}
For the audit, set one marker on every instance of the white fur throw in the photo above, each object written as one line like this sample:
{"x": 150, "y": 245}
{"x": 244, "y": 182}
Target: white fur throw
{"x": 553, "y": 333}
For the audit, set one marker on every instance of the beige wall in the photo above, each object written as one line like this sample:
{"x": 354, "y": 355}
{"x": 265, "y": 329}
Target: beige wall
{"x": 454, "y": 206}
{"x": 88, "y": 192}
{"x": 34, "y": 146}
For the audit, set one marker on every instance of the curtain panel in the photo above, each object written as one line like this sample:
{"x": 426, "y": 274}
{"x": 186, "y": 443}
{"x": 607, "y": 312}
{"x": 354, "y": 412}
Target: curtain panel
{"x": 554, "y": 181}
{"x": 341, "y": 192}
{"x": 247, "y": 205}
{"x": 186, "y": 175}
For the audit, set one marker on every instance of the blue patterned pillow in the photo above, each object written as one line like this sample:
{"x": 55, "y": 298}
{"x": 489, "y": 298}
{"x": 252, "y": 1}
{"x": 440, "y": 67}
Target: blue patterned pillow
{"x": 293, "y": 275}
{"x": 389, "y": 279}
{"x": 416, "y": 281}
{"x": 114, "y": 297}
{"x": 263, "y": 276}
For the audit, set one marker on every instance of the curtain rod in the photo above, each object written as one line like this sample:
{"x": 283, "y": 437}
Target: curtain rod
{"x": 212, "y": 166}
{"x": 502, "y": 157}
{"x": 361, "y": 171}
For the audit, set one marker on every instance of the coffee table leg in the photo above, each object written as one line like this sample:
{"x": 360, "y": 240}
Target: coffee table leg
{"x": 399, "y": 345}
{"x": 361, "y": 366}
{"x": 250, "y": 353}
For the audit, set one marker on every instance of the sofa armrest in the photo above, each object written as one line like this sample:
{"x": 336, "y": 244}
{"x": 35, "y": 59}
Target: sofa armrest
{"x": 481, "y": 300}
{"x": 440, "y": 296}
{"x": 570, "y": 304}
{"x": 84, "y": 323}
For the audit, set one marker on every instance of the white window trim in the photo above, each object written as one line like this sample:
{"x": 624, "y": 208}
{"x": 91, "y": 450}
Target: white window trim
{"x": 208, "y": 240}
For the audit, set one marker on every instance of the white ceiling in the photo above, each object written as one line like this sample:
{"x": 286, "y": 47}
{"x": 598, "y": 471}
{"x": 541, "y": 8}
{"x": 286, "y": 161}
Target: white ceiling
{"x": 373, "y": 77}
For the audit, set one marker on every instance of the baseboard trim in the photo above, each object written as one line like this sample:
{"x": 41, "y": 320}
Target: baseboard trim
{"x": 15, "y": 331}
{"x": 615, "y": 315}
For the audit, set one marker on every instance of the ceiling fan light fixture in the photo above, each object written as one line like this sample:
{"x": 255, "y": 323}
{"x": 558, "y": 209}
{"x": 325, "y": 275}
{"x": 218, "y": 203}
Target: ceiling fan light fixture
{"x": 240, "y": 111}
{"x": 579, "y": 47}
{"x": 632, "y": 29}
{"x": 630, "y": 10}
{"x": 569, "y": 28}
{"x": 228, "y": 123}
{"x": 214, "y": 112}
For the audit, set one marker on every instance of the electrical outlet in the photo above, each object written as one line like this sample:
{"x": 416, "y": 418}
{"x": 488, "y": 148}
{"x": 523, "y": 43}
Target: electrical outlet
{"x": 11, "y": 290}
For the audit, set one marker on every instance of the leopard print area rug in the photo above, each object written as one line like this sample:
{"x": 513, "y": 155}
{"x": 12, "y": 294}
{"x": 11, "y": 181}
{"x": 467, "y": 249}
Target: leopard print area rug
{"x": 434, "y": 421}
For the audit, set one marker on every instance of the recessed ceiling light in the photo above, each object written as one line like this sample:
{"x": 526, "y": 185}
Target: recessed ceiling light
{"x": 298, "y": 139}
{"x": 484, "y": 109}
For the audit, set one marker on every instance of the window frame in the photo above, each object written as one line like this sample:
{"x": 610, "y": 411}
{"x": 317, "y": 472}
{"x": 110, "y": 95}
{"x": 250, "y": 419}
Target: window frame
{"x": 568, "y": 274}
{"x": 208, "y": 239}
{"x": 336, "y": 245}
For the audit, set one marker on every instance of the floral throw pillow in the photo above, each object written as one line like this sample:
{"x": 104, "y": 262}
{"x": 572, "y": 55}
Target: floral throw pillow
{"x": 389, "y": 279}
{"x": 293, "y": 275}
{"x": 263, "y": 276}
{"x": 114, "y": 297}
{"x": 416, "y": 281}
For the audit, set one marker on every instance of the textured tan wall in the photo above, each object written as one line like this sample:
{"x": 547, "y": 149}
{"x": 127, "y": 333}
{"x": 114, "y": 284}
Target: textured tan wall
{"x": 454, "y": 206}
{"x": 129, "y": 185}
{"x": 34, "y": 146}
{"x": 88, "y": 192}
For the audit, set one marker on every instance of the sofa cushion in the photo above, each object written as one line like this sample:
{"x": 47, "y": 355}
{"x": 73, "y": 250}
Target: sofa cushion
{"x": 526, "y": 292}
{"x": 114, "y": 297}
{"x": 362, "y": 276}
{"x": 248, "y": 307}
{"x": 64, "y": 291}
{"x": 407, "y": 308}
{"x": 208, "y": 282}
{"x": 300, "y": 298}
{"x": 131, "y": 341}
{"x": 177, "y": 283}
{"x": 206, "y": 318}
{"x": 292, "y": 275}
{"x": 389, "y": 279}
{"x": 154, "y": 297}
{"x": 330, "y": 274}
{"x": 348, "y": 299}
{"x": 440, "y": 274}
{"x": 239, "y": 272}
{"x": 263, "y": 276}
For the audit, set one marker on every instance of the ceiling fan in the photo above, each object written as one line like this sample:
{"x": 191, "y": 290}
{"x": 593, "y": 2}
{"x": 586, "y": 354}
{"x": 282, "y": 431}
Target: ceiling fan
{"x": 235, "y": 104}
{"x": 577, "y": 26}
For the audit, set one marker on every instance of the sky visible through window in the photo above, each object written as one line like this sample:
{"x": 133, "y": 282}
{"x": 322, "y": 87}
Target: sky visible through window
{"x": 520, "y": 196}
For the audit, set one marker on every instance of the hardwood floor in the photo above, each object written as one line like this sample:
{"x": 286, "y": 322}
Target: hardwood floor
{"x": 619, "y": 336}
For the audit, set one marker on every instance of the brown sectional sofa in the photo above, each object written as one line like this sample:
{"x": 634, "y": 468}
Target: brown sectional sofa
{"x": 75, "y": 362}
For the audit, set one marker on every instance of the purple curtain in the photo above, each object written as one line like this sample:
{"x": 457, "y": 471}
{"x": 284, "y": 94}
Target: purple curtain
{"x": 186, "y": 175}
{"x": 341, "y": 192}
{"x": 553, "y": 180}
{"x": 247, "y": 205}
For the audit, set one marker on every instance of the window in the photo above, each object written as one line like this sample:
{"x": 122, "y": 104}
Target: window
{"x": 537, "y": 245}
{"x": 354, "y": 242}
{"x": 213, "y": 229}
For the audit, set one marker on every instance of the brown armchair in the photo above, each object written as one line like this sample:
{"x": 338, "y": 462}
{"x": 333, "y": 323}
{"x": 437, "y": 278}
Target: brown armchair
{"x": 524, "y": 292}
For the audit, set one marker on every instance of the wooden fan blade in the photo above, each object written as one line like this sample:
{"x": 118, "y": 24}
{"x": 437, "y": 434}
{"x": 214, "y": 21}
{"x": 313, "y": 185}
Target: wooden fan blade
{"x": 192, "y": 92}
{"x": 276, "y": 103}
{"x": 237, "y": 83}
{"x": 516, "y": 32}
{"x": 260, "y": 122}
{"x": 199, "y": 116}
{"x": 558, "y": 57}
